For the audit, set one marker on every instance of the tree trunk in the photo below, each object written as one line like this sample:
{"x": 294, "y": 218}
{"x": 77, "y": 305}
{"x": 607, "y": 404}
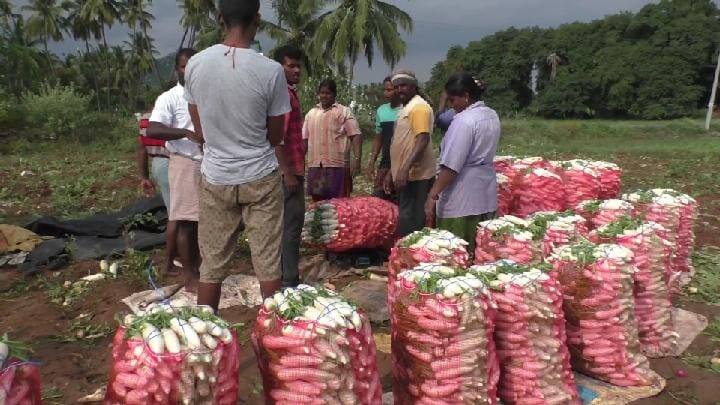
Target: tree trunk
{"x": 49, "y": 59}
{"x": 107, "y": 66}
{"x": 182, "y": 42}
{"x": 95, "y": 82}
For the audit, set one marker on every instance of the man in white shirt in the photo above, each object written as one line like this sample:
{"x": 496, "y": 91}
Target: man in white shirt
{"x": 170, "y": 121}
{"x": 238, "y": 100}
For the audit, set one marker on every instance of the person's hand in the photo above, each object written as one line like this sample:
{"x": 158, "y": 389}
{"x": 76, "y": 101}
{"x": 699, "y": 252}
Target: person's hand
{"x": 402, "y": 179}
{"x": 355, "y": 167}
{"x": 430, "y": 205}
{"x": 148, "y": 188}
{"x": 292, "y": 185}
{"x": 388, "y": 183}
{"x": 370, "y": 171}
{"x": 193, "y": 136}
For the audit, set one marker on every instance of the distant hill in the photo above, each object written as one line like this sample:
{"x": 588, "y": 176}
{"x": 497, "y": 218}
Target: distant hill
{"x": 166, "y": 65}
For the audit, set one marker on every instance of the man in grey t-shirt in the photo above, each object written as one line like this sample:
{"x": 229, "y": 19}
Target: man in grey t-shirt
{"x": 237, "y": 99}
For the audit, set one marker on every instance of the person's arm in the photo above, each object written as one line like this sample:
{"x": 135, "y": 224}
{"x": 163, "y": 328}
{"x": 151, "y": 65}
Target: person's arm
{"x": 158, "y": 130}
{"x": 357, "y": 154}
{"x": 146, "y": 184}
{"x": 376, "y": 148}
{"x": 445, "y": 178}
{"x": 275, "y": 127}
{"x": 197, "y": 135}
{"x": 421, "y": 142}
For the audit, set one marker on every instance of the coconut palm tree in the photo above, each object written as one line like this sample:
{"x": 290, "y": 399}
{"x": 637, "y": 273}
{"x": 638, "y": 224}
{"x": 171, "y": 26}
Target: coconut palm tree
{"x": 136, "y": 15}
{"x": 553, "y": 60}
{"x": 105, "y": 13}
{"x": 46, "y": 23}
{"x": 197, "y": 17}
{"x": 21, "y": 61}
{"x": 358, "y": 27}
{"x": 83, "y": 30}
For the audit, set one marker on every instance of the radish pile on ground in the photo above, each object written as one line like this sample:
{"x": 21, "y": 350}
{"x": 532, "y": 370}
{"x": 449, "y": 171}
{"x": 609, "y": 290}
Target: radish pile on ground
{"x": 610, "y": 180}
{"x": 554, "y": 229}
{"x": 581, "y": 181}
{"x": 603, "y": 212}
{"x": 653, "y": 307}
{"x": 171, "y": 354}
{"x": 19, "y": 379}
{"x": 602, "y": 334}
{"x": 506, "y": 237}
{"x": 313, "y": 347}
{"x": 530, "y": 335}
{"x": 343, "y": 224}
{"x": 538, "y": 190}
{"x": 442, "y": 342}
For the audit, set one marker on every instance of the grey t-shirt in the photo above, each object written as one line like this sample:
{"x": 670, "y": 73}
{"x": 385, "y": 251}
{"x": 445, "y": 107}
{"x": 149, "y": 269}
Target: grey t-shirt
{"x": 236, "y": 90}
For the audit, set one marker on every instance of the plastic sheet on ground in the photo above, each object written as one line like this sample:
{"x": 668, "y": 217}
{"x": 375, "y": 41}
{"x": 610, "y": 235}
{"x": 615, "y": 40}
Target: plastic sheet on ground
{"x": 606, "y": 394}
{"x": 688, "y": 325}
{"x": 237, "y": 290}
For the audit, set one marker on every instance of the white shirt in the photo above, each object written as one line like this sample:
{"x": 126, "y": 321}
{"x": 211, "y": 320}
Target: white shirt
{"x": 236, "y": 90}
{"x": 171, "y": 109}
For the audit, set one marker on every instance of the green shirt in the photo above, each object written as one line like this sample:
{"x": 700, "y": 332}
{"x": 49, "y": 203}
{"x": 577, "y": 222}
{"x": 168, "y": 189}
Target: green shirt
{"x": 385, "y": 126}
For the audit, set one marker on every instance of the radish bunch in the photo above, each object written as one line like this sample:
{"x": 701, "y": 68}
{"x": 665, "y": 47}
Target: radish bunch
{"x": 506, "y": 237}
{"x": 652, "y": 298}
{"x": 530, "y": 335}
{"x": 19, "y": 379}
{"x": 538, "y": 190}
{"x": 313, "y": 347}
{"x": 505, "y": 195}
{"x": 343, "y": 224}
{"x": 170, "y": 354}
{"x": 603, "y": 212}
{"x": 582, "y": 182}
{"x": 442, "y": 340}
{"x": 610, "y": 178}
{"x": 602, "y": 333}
{"x": 553, "y": 229}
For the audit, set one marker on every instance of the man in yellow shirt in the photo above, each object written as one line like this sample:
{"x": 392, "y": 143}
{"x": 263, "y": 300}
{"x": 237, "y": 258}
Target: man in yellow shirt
{"x": 412, "y": 161}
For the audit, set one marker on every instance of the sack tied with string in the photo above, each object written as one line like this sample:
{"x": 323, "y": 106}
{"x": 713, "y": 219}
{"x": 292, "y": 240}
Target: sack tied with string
{"x": 610, "y": 179}
{"x": 686, "y": 224}
{"x": 20, "y": 383}
{"x": 603, "y": 212}
{"x": 555, "y": 229}
{"x": 602, "y": 331}
{"x": 538, "y": 190}
{"x": 653, "y": 308}
{"x": 505, "y": 195}
{"x": 582, "y": 182}
{"x": 313, "y": 347}
{"x": 506, "y": 237}
{"x": 530, "y": 335}
{"x": 342, "y": 224}
{"x": 442, "y": 341}
{"x": 169, "y": 354}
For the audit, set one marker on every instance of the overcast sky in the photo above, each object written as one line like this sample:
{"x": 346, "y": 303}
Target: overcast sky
{"x": 439, "y": 24}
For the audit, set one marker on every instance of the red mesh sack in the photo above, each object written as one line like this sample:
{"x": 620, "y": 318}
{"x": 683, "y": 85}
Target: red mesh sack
{"x": 682, "y": 262}
{"x": 610, "y": 179}
{"x": 315, "y": 348}
{"x": 538, "y": 190}
{"x": 581, "y": 182}
{"x": 343, "y": 224}
{"x": 603, "y": 212}
{"x": 602, "y": 332}
{"x": 20, "y": 383}
{"x": 141, "y": 373}
{"x": 442, "y": 341}
{"x": 553, "y": 229}
{"x": 506, "y": 237}
{"x": 653, "y": 308}
{"x": 502, "y": 163}
{"x": 530, "y": 335}
{"x": 505, "y": 195}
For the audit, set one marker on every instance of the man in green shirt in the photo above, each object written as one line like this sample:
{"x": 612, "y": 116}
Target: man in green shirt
{"x": 384, "y": 126}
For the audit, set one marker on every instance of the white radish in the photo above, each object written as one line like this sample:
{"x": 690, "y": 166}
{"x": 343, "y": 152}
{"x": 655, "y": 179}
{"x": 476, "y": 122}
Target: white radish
{"x": 4, "y": 352}
{"x": 94, "y": 277}
{"x": 200, "y": 372}
{"x": 154, "y": 339}
{"x": 172, "y": 344}
{"x": 128, "y": 320}
{"x": 213, "y": 329}
{"x": 198, "y": 324}
{"x": 186, "y": 333}
{"x": 103, "y": 265}
{"x": 113, "y": 269}
{"x": 226, "y": 336}
{"x": 209, "y": 341}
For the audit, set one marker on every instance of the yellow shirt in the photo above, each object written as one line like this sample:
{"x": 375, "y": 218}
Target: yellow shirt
{"x": 414, "y": 119}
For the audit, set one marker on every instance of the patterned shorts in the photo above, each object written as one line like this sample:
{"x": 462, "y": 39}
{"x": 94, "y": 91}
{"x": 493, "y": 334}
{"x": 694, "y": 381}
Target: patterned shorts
{"x": 223, "y": 211}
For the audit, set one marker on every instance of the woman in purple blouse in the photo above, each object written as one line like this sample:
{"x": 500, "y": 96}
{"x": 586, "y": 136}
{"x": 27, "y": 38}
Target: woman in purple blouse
{"x": 465, "y": 192}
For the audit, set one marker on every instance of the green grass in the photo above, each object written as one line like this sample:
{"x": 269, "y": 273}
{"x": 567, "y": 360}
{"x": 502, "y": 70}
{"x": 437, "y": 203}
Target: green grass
{"x": 706, "y": 281}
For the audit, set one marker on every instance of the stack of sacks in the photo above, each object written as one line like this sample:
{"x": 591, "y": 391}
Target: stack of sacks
{"x": 610, "y": 179}
{"x": 653, "y": 307}
{"x": 505, "y": 195}
{"x": 582, "y": 182}
{"x": 554, "y": 229}
{"x": 686, "y": 224}
{"x": 530, "y": 335}
{"x": 538, "y": 190}
{"x": 506, "y": 237}
{"x": 172, "y": 353}
{"x": 603, "y": 212}
{"x": 343, "y": 224}
{"x": 442, "y": 341}
{"x": 597, "y": 284}
{"x": 313, "y": 347}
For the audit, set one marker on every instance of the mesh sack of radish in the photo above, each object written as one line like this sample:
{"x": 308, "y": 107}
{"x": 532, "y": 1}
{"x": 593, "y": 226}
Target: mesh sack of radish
{"x": 582, "y": 182}
{"x": 610, "y": 179}
{"x": 530, "y": 335}
{"x": 507, "y": 237}
{"x": 314, "y": 347}
{"x": 602, "y": 332}
{"x": 343, "y": 224}
{"x": 505, "y": 195}
{"x": 538, "y": 190}
{"x": 554, "y": 229}
{"x": 502, "y": 163}
{"x": 442, "y": 341}
{"x": 686, "y": 223}
{"x": 653, "y": 308}
{"x": 603, "y": 212}
{"x": 19, "y": 378}
{"x": 172, "y": 354}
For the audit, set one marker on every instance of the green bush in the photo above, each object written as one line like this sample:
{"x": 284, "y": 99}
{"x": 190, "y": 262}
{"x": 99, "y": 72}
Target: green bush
{"x": 58, "y": 110}
{"x": 10, "y": 116}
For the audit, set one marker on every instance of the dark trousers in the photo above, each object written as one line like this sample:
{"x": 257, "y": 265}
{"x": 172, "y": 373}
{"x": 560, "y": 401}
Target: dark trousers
{"x": 411, "y": 202}
{"x": 293, "y": 220}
